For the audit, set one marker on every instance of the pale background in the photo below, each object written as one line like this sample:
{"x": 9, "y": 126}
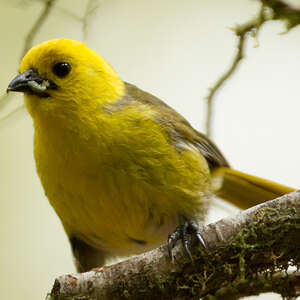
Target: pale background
{"x": 176, "y": 50}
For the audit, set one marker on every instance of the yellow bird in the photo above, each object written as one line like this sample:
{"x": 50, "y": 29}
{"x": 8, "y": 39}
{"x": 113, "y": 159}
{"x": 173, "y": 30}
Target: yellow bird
{"x": 122, "y": 169}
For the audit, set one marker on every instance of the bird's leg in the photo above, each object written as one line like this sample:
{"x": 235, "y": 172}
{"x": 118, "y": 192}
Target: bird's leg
{"x": 183, "y": 232}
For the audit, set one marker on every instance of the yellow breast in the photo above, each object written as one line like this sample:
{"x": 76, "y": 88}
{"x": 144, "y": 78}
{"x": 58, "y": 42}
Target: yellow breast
{"x": 115, "y": 181}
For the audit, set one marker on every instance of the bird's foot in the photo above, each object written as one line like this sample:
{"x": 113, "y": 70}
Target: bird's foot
{"x": 183, "y": 233}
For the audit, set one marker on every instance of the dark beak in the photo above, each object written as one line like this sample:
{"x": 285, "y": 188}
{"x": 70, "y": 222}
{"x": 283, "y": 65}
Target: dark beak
{"x": 31, "y": 82}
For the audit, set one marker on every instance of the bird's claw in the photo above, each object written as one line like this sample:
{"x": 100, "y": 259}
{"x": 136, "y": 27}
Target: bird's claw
{"x": 183, "y": 233}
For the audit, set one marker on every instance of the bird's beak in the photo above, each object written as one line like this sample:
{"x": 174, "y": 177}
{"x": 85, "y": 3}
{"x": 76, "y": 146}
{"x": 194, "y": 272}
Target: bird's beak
{"x": 30, "y": 82}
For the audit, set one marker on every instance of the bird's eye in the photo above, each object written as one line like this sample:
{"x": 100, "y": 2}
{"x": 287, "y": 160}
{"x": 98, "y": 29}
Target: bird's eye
{"x": 61, "y": 69}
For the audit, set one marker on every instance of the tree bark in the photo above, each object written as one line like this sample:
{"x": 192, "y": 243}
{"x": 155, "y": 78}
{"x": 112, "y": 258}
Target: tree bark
{"x": 246, "y": 255}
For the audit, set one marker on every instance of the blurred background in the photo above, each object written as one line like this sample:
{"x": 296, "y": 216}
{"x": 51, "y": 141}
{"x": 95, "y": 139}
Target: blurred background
{"x": 175, "y": 50}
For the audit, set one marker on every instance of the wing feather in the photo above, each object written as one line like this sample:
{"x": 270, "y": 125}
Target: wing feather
{"x": 179, "y": 129}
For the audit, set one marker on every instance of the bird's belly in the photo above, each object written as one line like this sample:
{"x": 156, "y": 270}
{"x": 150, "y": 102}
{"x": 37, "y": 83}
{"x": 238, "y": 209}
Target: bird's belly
{"x": 120, "y": 203}
{"x": 117, "y": 218}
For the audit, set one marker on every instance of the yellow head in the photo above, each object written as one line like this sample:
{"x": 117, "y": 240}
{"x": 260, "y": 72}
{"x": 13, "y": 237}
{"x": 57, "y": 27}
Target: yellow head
{"x": 66, "y": 74}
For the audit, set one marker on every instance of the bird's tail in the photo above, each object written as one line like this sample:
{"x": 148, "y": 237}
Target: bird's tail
{"x": 245, "y": 190}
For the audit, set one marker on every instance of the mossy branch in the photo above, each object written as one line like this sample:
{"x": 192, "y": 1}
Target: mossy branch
{"x": 246, "y": 255}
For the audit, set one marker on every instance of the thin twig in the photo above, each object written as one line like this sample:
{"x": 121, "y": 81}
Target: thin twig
{"x": 220, "y": 82}
{"x": 37, "y": 25}
{"x": 70, "y": 14}
{"x": 27, "y": 45}
{"x": 290, "y": 14}
{"x": 3, "y": 99}
{"x": 241, "y": 31}
{"x": 11, "y": 114}
{"x": 90, "y": 8}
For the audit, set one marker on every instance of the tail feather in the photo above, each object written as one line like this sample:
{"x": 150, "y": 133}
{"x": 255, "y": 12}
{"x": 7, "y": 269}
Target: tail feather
{"x": 245, "y": 190}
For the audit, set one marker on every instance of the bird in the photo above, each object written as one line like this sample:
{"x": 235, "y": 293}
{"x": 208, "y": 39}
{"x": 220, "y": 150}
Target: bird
{"x": 124, "y": 172}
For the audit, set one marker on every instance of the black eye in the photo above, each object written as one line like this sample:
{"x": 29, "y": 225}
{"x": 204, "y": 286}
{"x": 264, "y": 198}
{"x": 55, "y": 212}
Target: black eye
{"x": 61, "y": 69}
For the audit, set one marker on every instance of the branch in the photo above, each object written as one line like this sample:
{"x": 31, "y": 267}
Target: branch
{"x": 27, "y": 45}
{"x": 37, "y": 25}
{"x": 241, "y": 31}
{"x": 282, "y": 11}
{"x": 11, "y": 114}
{"x": 246, "y": 255}
{"x": 288, "y": 13}
{"x": 91, "y": 7}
